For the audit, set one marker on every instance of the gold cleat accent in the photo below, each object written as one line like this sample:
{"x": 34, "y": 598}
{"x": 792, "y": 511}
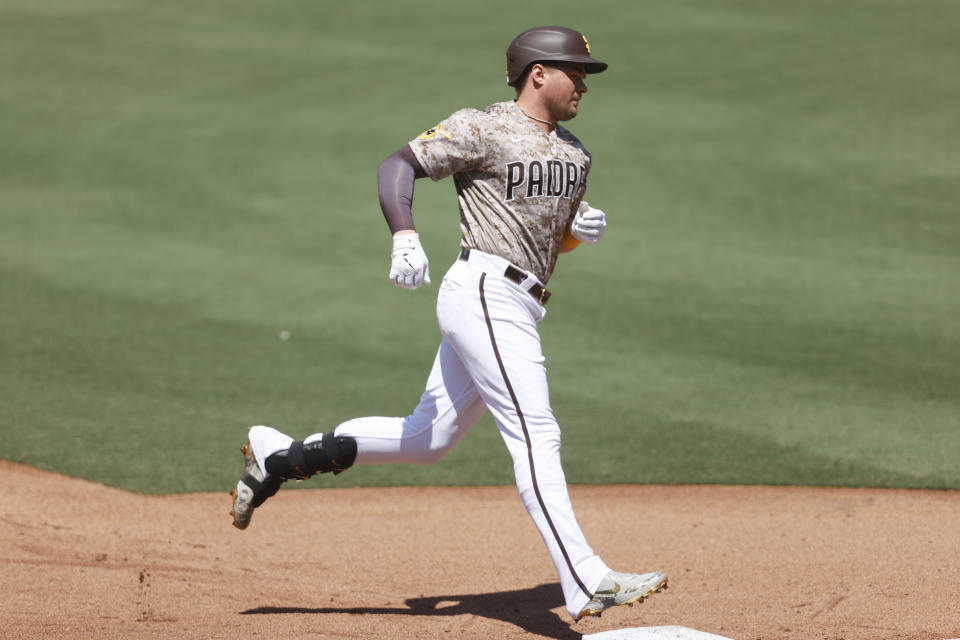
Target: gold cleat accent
{"x": 233, "y": 510}
{"x": 235, "y": 497}
{"x": 252, "y": 489}
{"x": 606, "y": 598}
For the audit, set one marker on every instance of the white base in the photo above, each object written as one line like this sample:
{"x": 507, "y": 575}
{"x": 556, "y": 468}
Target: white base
{"x": 654, "y": 633}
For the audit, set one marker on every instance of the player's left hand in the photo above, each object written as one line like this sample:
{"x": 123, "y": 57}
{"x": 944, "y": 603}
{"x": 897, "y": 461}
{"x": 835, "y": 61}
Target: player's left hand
{"x": 589, "y": 224}
{"x": 409, "y": 267}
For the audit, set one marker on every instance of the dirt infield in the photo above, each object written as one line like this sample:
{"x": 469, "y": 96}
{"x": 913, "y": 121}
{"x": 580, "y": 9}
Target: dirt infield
{"x": 80, "y": 560}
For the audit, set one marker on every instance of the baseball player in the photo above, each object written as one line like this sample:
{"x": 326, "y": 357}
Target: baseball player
{"x": 520, "y": 179}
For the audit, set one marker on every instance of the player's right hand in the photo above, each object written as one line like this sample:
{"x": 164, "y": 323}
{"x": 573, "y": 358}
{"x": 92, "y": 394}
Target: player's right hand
{"x": 409, "y": 267}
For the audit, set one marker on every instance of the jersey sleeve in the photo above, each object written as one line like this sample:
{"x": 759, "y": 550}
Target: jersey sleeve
{"x": 453, "y": 146}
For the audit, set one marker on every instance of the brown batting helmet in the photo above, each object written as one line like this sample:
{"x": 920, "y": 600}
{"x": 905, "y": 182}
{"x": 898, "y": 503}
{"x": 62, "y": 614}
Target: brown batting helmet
{"x": 548, "y": 44}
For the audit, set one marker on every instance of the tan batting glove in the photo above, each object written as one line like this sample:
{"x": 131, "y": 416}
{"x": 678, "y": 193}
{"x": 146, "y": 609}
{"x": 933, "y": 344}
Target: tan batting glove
{"x": 589, "y": 224}
{"x": 409, "y": 267}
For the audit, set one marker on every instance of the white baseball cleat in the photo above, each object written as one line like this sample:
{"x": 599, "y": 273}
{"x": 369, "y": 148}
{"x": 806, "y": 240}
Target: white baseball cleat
{"x": 623, "y": 588}
{"x": 251, "y": 490}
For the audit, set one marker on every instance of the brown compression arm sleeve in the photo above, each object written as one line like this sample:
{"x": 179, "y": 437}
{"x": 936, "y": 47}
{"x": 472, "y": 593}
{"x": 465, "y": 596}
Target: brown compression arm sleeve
{"x": 395, "y": 177}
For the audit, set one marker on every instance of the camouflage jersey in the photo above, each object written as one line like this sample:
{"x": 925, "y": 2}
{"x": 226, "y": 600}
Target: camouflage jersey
{"x": 518, "y": 186}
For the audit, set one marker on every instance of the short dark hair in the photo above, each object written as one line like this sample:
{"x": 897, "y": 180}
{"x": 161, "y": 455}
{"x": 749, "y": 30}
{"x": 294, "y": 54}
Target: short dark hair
{"x": 522, "y": 78}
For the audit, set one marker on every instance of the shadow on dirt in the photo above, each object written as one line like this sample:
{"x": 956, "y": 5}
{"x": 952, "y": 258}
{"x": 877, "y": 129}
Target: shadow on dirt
{"x": 529, "y": 609}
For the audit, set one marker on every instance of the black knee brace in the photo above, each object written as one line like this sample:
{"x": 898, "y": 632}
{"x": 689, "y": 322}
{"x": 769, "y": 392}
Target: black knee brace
{"x": 300, "y": 461}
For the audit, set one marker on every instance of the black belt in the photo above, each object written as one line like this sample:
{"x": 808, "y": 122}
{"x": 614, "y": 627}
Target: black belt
{"x": 541, "y": 294}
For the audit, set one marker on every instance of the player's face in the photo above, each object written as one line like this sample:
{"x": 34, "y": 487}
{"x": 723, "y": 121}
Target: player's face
{"x": 564, "y": 87}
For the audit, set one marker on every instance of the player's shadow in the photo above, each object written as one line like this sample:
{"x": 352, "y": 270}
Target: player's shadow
{"x": 529, "y": 609}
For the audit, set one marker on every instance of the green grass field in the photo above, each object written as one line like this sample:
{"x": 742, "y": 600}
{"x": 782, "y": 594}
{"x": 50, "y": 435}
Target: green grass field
{"x": 776, "y": 300}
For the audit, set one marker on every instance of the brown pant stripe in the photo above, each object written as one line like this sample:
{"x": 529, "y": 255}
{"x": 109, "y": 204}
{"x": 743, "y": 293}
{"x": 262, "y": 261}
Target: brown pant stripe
{"x": 526, "y": 436}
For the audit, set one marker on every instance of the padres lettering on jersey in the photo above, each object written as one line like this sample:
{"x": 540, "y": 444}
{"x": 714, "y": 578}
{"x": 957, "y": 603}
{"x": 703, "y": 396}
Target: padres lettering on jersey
{"x": 553, "y": 178}
{"x": 517, "y": 186}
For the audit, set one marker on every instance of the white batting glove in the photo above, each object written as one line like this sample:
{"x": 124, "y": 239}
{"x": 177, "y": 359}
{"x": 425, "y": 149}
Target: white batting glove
{"x": 409, "y": 267}
{"x": 589, "y": 224}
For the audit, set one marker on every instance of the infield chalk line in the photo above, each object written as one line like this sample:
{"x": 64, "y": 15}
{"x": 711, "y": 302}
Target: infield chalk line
{"x": 654, "y": 633}
{"x": 658, "y": 633}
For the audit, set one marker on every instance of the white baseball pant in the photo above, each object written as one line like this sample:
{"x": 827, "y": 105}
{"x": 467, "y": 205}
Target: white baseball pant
{"x": 490, "y": 358}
